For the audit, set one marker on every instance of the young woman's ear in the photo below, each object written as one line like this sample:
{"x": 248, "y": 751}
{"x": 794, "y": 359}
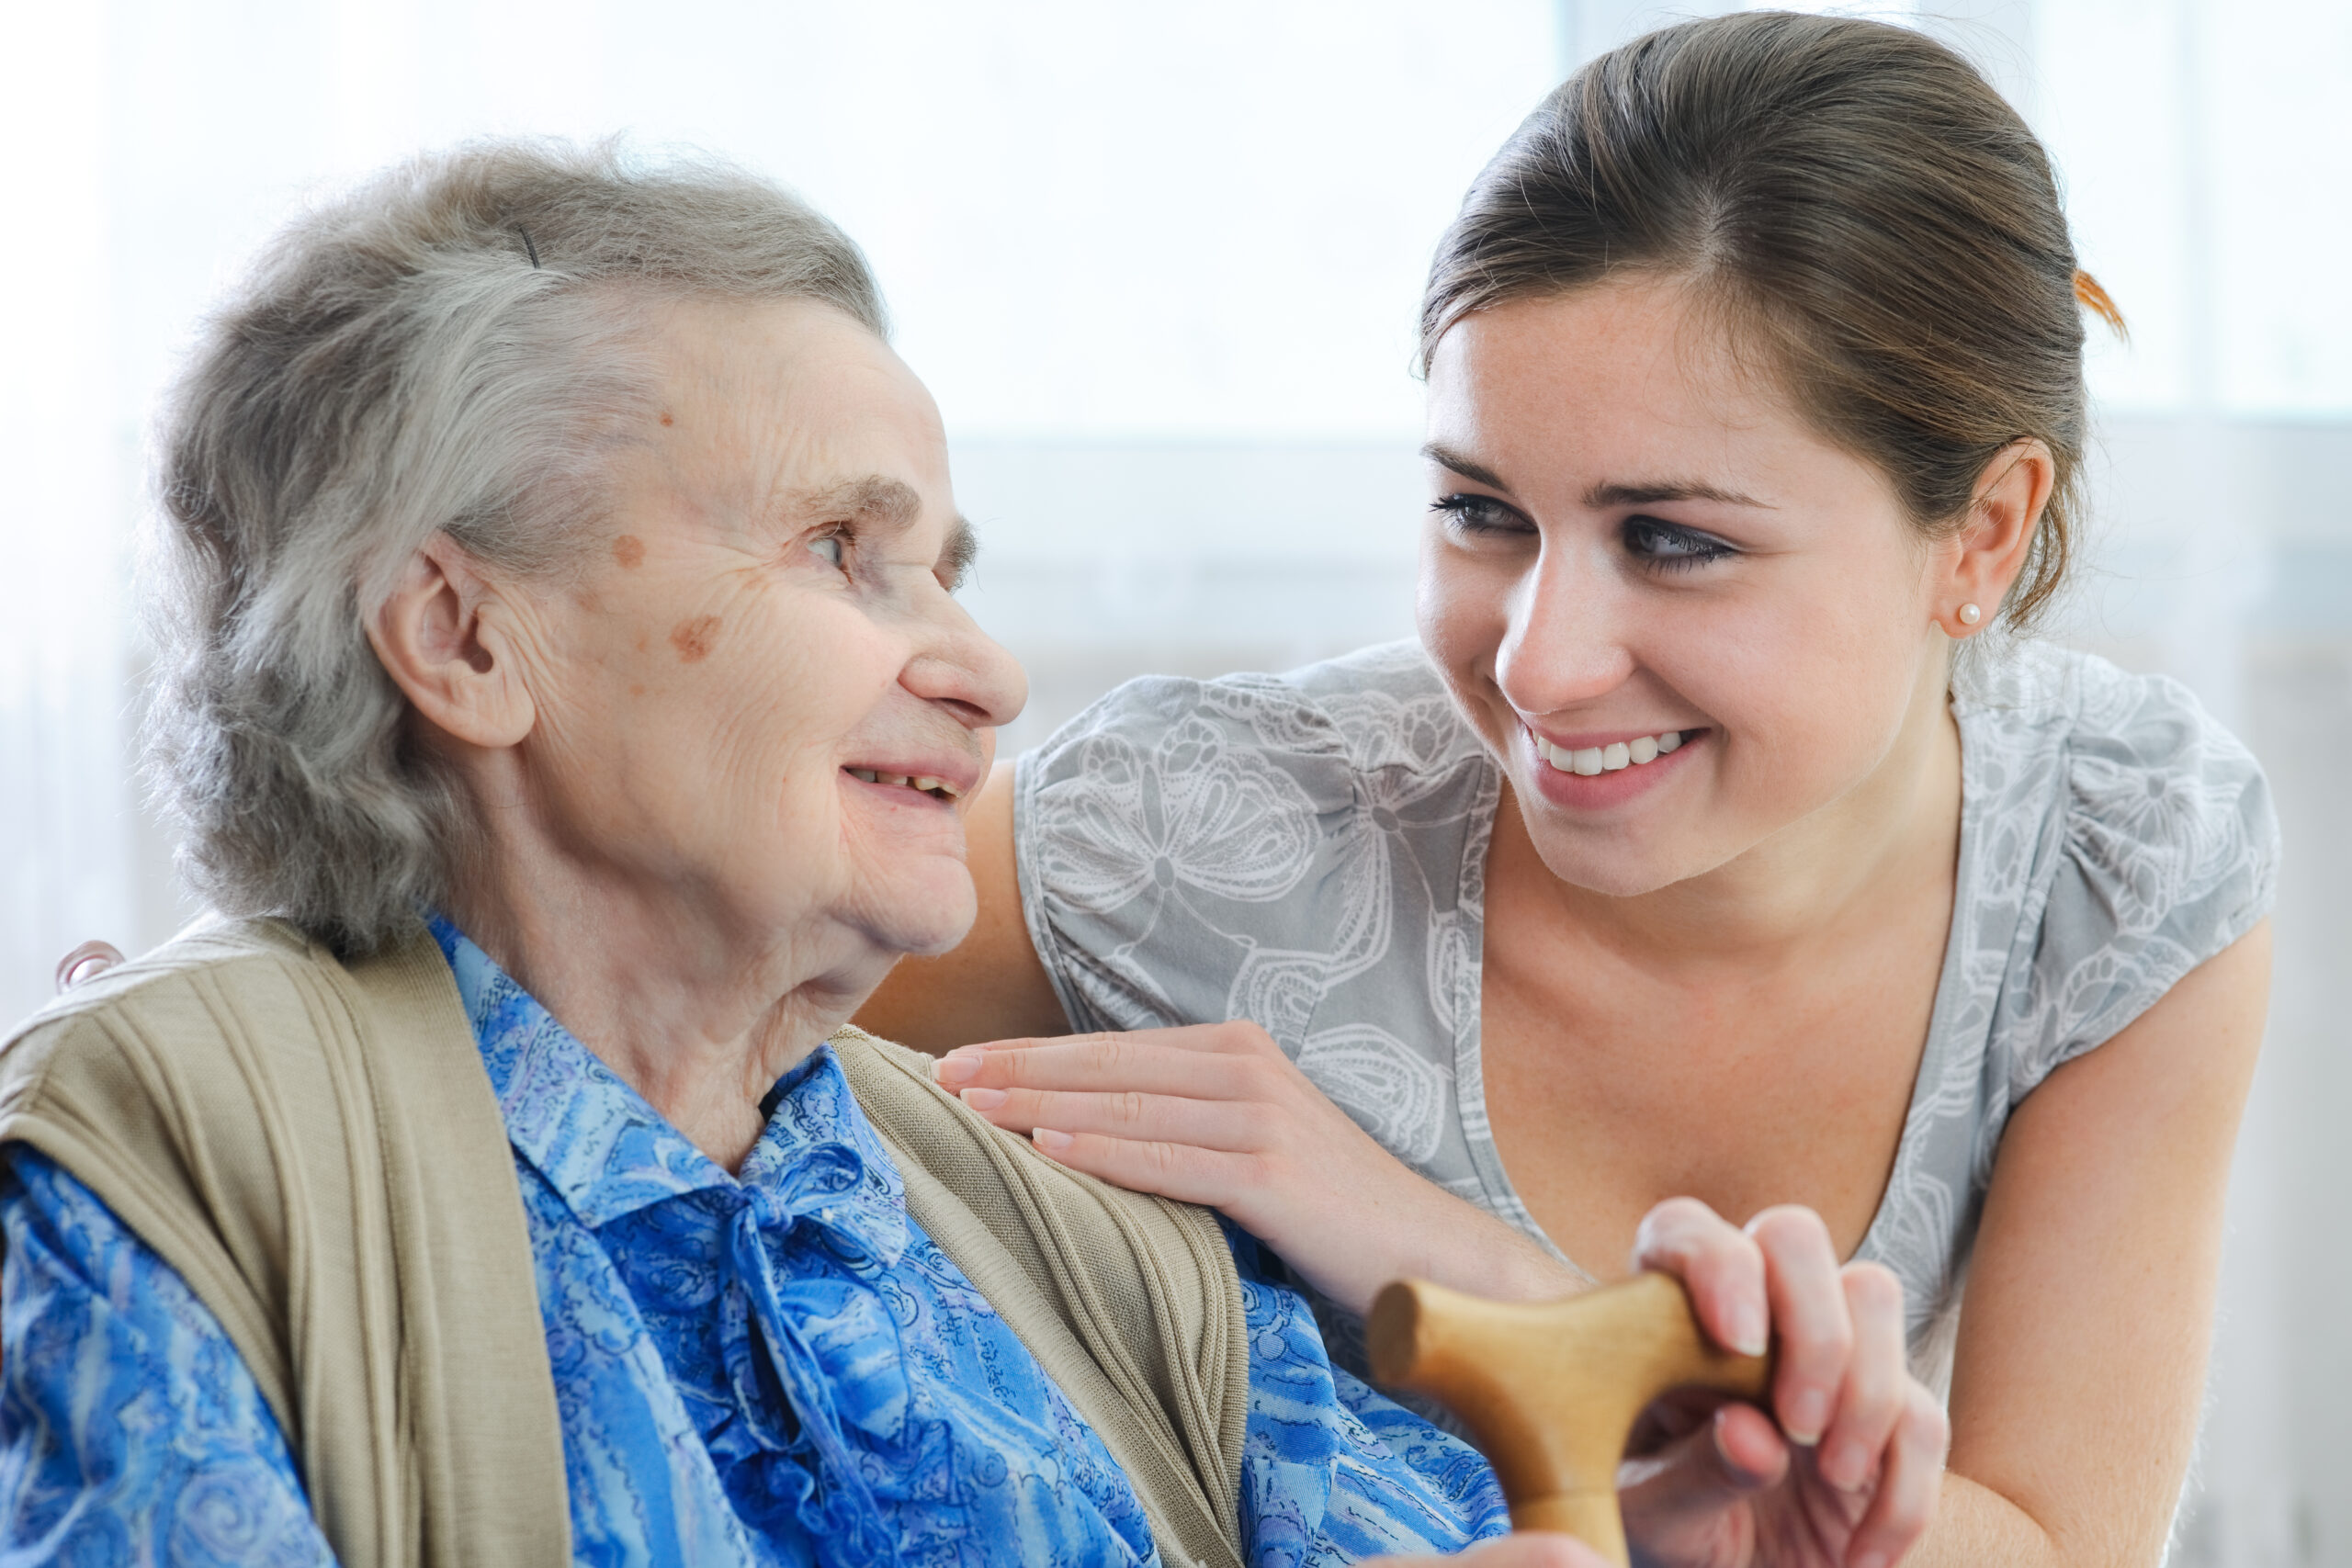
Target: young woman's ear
{"x": 1990, "y": 549}
{"x": 440, "y": 637}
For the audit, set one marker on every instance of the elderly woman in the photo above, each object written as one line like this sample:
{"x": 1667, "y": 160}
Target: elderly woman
{"x": 570, "y": 719}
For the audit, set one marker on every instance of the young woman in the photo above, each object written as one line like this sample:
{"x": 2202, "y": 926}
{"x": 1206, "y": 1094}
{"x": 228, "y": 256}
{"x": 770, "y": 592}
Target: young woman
{"x": 1721, "y": 838}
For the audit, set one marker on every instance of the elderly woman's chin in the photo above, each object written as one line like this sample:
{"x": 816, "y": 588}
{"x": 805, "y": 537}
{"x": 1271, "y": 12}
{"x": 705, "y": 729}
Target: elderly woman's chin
{"x": 852, "y": 884}
{"x": 916, "y": 900}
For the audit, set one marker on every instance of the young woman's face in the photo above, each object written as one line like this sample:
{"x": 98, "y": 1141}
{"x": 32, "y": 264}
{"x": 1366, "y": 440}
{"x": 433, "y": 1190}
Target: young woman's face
{"x": 1637, "y": 550}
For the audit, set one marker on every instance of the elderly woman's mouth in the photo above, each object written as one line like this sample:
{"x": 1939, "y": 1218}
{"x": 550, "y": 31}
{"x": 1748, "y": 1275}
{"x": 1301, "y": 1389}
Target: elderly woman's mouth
{"x": 921, "y": 784}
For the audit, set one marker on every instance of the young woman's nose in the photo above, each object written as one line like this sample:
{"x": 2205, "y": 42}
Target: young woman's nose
{"x": 1566, "y": 641}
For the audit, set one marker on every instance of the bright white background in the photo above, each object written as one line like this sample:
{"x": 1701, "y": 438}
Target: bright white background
{"x": 1159, "y": 263}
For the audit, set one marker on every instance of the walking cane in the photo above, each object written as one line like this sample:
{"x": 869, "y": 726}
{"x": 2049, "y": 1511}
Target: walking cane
{"x": 1551, "y": 1390}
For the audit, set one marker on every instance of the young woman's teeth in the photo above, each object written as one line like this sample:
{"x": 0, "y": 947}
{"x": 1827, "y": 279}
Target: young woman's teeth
{"x": 1591, "y": 760}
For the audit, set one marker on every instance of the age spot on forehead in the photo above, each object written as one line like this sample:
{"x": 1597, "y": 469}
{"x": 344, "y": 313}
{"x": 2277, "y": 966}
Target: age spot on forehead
{"x": 666, "y": 419}
{"x": 693, "y": 639}
{"x": 629, "y": 549}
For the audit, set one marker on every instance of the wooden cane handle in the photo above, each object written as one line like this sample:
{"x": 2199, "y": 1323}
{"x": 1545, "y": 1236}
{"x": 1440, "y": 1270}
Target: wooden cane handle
{"x": 1551, "y": 1390}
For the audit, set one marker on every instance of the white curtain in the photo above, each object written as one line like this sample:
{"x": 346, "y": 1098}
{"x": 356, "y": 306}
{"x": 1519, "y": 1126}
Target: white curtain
{"x": 65, "y": 826}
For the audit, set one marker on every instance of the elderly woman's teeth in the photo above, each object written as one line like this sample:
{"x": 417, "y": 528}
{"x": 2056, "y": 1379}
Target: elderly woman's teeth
{"x": 1590, "y": 760}
{"x": 938, "y": 788}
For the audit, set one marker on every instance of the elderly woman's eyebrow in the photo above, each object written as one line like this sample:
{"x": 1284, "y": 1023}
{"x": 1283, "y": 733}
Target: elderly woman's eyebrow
{"x": 875, "y": 496}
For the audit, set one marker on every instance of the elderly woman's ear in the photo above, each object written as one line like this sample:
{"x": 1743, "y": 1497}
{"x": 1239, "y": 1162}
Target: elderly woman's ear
{"x": 449, "y": 640}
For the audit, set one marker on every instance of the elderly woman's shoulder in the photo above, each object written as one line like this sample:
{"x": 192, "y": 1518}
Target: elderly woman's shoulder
{"x": 151, "y": 997}
{"x": 136, "y": 1079}
{"x": 222, "y": 1034}
{"x": 1377, "y": 707}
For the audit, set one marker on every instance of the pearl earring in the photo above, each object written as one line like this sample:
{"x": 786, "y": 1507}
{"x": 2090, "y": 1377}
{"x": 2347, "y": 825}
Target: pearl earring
{"x": 1970, "y": 614}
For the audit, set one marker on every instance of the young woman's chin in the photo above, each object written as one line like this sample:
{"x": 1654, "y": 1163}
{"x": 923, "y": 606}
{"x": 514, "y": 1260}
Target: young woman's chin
{"x": 1617, "y": 859}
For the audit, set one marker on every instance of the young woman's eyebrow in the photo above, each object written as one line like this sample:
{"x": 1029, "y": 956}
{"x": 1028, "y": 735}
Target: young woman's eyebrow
{"x": 1601, "y": 497}
{"x": 1446, "y": 458}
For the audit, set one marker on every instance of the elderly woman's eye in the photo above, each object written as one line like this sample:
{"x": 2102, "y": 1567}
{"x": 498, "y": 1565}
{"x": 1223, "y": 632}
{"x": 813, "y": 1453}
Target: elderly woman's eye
{"x": 1670, "y": 547}
{"x": 828, "y": 547}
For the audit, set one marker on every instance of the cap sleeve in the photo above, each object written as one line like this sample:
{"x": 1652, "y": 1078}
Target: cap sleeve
{"x": 1166, "y": 833}
{"x": 2169, "y": 853}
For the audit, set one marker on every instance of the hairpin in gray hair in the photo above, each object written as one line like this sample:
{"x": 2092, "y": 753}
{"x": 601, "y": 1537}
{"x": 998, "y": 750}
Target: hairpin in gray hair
{"x": 529, "y": 249}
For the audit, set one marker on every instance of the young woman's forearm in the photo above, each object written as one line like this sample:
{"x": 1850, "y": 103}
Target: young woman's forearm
{"x": 1464, "y": 1248}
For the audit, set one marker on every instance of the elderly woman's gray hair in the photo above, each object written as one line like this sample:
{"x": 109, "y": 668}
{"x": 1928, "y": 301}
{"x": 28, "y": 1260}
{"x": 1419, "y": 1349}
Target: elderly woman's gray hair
{"x": 451, "y": 348}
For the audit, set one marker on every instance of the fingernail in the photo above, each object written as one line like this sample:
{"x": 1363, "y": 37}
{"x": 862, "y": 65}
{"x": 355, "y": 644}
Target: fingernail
{"x": 1749, "y": 1337}
{"x": 955, "y": 1068}
{"x": 1807, "y": 1414}
{"x": 1053, "y": 1142}
{"x": 984, "y": 1098}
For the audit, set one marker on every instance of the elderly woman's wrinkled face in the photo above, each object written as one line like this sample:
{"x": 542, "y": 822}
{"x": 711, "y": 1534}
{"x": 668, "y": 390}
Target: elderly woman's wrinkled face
{"x": 762, "y": 694}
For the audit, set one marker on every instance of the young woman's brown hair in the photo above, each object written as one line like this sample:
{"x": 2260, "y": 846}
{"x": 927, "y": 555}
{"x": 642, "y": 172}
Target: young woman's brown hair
{"x": 1863, "y": 205}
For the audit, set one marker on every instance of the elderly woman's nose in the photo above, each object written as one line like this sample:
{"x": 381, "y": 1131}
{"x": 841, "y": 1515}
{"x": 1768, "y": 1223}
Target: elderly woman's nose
{"x": 969, "y": 669}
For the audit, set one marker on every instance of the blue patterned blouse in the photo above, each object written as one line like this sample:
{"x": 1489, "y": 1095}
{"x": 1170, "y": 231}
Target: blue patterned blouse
{"x": 773, "y": 1368}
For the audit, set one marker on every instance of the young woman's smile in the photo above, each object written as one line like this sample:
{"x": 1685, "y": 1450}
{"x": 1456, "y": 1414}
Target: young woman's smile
{"x": 1594, "y": 772}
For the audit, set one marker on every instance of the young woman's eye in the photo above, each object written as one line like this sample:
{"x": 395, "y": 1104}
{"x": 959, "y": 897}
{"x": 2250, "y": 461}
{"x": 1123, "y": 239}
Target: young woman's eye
{"x": 1670, "y": 547}
{"x": 1478, "y": 515}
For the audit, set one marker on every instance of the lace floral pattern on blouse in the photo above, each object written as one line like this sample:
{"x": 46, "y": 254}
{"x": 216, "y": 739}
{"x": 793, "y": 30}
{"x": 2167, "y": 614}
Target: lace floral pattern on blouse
{"x": 1308, "y": 851}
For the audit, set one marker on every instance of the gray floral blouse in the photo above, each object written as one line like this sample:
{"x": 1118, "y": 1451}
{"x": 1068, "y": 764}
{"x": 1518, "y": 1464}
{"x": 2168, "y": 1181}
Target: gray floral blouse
{"x": 1309, "y": 851}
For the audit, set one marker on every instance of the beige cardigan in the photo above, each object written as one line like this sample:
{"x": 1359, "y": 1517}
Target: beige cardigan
{"x": 316, "y": 1149}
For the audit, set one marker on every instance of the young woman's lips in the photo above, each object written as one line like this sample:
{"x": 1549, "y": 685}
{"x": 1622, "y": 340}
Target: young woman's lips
{"x": 1611, "y": 786}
